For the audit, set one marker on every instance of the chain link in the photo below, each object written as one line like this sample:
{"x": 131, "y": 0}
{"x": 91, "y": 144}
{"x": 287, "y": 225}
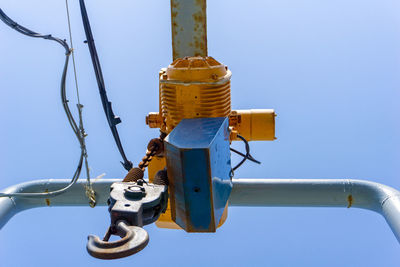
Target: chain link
{"x": 155, "y": 147}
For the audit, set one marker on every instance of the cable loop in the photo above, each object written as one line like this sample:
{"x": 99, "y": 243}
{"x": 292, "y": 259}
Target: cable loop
{"x": 79, "y": 132}
{"x": 246, "y": 156}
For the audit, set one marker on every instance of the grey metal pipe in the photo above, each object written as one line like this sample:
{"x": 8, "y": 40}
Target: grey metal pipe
{"x": 75, "y": 196}
{"x": 188, "y": 28}
{"x": 246, "y": 192}
{"x": 320, "y": 193}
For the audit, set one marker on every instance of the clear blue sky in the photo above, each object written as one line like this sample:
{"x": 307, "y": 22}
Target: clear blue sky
{"x": 330, "y": 69}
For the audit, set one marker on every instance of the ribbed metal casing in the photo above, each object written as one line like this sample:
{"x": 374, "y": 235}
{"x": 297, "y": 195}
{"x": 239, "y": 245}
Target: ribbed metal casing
{"x": 194, "y": 87}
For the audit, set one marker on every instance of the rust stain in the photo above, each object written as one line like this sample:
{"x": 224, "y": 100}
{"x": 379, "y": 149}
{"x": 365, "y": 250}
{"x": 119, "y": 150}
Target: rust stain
{"x": 350, "y": 201}
{"x": 200, "y": 2}
{"x": 197, "y": 34}
{"x": 47, "y": 200}
{"x": 198, "y": 17}
{"x": 174, "y": 4}
{"x": 174, "y": 25}
{"x": 200, "y": 29}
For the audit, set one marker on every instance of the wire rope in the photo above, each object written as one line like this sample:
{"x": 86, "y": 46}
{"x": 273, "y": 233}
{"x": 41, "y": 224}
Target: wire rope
{"x": 88, "y": 188}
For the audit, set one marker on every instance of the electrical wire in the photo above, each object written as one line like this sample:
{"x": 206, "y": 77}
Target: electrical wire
{"x": 77, "y": 130}
{"x": 111, "y": 118}
{"x": 243, "y": 155}
{"x": 246, "y": 156}
{"x": 30, "y": 33}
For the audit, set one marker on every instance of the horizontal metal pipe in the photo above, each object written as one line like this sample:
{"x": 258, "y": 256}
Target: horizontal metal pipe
{"x": 246, "y": 192}
{"x": 75, "y": 196}
{"x": 320, "y": 193}
{"x": 310, "y": 193}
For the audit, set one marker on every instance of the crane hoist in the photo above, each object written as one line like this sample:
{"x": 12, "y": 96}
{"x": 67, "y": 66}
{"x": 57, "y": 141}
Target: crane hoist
{"x": 189, "y": 165}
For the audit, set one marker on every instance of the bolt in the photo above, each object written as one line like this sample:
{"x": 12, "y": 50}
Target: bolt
{"x": 154, "y": 120}
{"x": 135, "y": 192}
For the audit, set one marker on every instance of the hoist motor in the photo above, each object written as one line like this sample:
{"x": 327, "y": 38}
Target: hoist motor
{"x": 195, "y": 112}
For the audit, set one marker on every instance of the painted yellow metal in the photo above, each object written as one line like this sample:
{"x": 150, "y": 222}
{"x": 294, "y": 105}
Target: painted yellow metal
{"x": 194, "y": 87}
{"x": 199, "y": 87}
{"x": 254, "y": 124}
{"x": 156, "y": 164}
{"x": 165, "y": 219}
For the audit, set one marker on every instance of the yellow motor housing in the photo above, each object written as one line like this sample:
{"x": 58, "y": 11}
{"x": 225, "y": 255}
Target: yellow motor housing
{"x": 194, "y": 87}
{"x": 253, "y": 124}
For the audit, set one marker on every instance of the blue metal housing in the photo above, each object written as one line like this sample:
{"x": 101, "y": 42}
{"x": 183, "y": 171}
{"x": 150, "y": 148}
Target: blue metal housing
{"x": 199, "y": 164}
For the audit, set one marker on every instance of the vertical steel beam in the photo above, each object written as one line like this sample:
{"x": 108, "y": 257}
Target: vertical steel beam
{"x": 189, "y": 28}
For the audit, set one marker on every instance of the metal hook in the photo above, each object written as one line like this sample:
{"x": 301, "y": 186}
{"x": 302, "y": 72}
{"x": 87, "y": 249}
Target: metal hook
{"x": 133, "y": 239}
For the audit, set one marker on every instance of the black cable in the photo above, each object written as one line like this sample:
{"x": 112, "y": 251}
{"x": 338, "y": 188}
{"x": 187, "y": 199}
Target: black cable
{"x": 111, "y": 118}
{"x": 64, "y": 100}
{"x": 247, "y": 152}
{"x": 30, "y": 33}
{"x": 246, "y": 156}
{"x": 243, "y": 155}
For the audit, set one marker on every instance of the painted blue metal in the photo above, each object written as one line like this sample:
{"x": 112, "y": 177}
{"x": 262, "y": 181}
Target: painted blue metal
{"x": 198, "y": 163}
